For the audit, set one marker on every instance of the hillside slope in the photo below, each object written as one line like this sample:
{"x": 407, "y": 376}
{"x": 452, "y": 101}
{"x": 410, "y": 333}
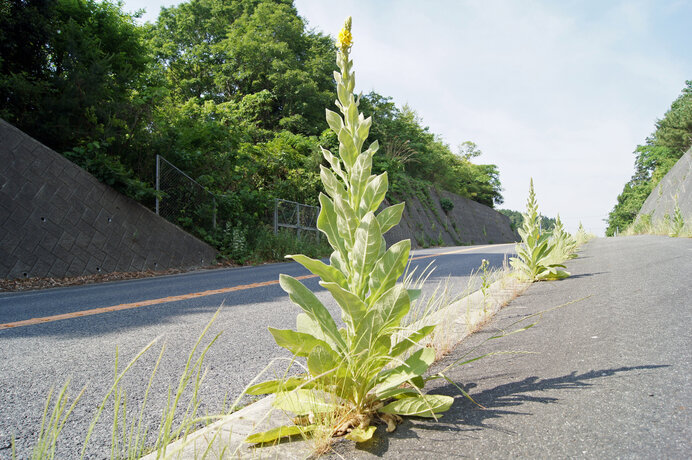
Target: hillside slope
{"x": 675, "y": 187}
{"x": 468, "y": 222}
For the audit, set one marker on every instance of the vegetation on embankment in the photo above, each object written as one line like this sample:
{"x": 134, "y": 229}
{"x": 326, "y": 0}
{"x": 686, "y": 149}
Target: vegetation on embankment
{"x": 671, "y": 139}
{"x": 231, "y": 92}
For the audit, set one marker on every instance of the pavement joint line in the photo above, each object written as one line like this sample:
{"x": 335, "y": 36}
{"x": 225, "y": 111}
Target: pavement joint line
{"x": 146, "y": 303}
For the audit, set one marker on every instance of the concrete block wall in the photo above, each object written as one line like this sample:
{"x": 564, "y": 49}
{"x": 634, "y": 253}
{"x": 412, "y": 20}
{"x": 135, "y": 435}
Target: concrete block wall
{"x": 57, "y": 220}
{"x": 425, "y": 223}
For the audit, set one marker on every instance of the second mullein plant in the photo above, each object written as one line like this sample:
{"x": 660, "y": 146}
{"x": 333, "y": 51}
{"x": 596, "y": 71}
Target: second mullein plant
{"x": 364, "y": 372}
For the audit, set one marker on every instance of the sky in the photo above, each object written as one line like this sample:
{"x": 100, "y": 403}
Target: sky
{"x": 558, "y": 91}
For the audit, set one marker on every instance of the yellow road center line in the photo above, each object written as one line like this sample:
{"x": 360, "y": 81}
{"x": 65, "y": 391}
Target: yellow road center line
{"x": 177, "y": 298}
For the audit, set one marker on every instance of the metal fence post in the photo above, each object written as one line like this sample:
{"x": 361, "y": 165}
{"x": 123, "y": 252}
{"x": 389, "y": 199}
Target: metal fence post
{"x": 158, "y": 187}
{"x": 298, "y": 218}
{"x": 213, "y": 216}
{"x": 276, "y": 216}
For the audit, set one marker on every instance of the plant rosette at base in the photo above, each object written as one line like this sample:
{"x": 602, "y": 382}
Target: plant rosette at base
{"x": 364, "y": 372}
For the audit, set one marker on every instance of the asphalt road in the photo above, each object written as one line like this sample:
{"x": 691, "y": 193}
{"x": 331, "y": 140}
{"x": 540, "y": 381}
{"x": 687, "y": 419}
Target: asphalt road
{"x": 612, "y": 377}
{"x": 36, "y": 356}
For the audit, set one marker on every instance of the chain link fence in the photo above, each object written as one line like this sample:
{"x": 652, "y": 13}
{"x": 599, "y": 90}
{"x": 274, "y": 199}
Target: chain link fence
{"x": 298, "y": 216}
{"x": 182, "y": 200}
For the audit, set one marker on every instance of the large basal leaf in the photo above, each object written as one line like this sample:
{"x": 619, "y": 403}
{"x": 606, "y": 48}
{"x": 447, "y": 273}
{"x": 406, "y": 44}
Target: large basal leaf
{"x": 366, "y": 249}
{"x": 275, "y": 386}
{"x": 352, "y": 307}
{"x": 388, "y": 269}
{"x": 322, "y": 360}
{"x": 419, "y": 406}
{"x": 415, "y": 365}
{"x": 411, "y": 340}
{"x": 361, "y": 434}
{"x": 392, "y": 306}
{"x": 278, "y": 433}
{"x": 305, "y": 299}
{"x": 307, "y": 325}
{"x": 298, "y": 343}
{"x": 326, "y": 272}
{"x": 389, "y": 217}
{"x": 302, "y": 402}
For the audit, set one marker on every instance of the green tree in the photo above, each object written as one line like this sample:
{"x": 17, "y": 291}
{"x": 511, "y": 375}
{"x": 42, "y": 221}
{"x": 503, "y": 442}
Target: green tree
{"x": 671, "y": 139}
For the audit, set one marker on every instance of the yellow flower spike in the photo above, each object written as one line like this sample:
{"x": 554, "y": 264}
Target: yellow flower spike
{"x": 345, "y": 40}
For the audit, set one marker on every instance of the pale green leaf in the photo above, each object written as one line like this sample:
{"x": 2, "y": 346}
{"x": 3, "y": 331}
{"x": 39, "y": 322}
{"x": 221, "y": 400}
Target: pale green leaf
{"x": 332, "y": 185}
{"x": 420, "y": 406}
{"x": 360, "y": 434}
{"x": 411, "y": 340}
{"x": 334, "y": 120}
{"x": 321, "y": 360}
{"x": 327, "y": 222}
{"x": 389, "y": 217}
{"x": 374, "y": 193}
{"x": 302, "y": 402}
{"x": 305, "y": 299}
{"x": 388, "y": 269}
{"x": 415, "y": 365}
{"x": 352, "y": 307}
{"x": 278, "y": 433}
{"x": 275, "y": 386}
{"x": 298, "y": 343}
{"x": 366, "y": 248}
{"x": 319, "y": 268}
{"x": 346, "y": 221}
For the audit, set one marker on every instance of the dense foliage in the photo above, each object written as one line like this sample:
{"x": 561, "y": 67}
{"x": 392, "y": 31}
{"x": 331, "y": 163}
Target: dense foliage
{"x": 516, "y": 220}
{"x": 231, "y": 92}
{"x": 671, "y": 139}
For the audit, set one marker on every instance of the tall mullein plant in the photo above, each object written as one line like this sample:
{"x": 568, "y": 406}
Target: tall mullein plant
{"x": 364, "y": 364}
{"x": 534, "y": 251}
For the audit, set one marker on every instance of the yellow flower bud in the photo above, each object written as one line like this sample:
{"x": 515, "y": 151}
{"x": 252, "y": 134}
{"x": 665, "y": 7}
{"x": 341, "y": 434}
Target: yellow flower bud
{"x": 345, "y": 39}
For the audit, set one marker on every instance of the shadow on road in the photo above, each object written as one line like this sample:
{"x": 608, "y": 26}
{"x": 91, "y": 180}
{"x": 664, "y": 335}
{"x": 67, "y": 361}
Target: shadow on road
{"x": 499, "y": 401}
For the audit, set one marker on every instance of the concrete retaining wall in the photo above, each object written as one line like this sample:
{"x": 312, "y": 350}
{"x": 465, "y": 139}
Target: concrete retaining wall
{"x": 426, "y": 224}
{"x": 58, "y": 220}
{"x": 676, "y": 183}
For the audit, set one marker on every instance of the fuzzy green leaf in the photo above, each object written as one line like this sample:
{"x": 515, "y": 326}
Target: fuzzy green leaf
{"x": 361, "y": 434}
{"x": 346, "y": 220}
{"x": 411, "y": 340}
{"x": 366, "y": 249}
{"x": 278, "y": 433}
{"x": 415, "y": 365}
{"x": 327, "y": 222}
{"x": 374, "y": 193}
{"x": 352, "y": 307}
{"x": 334, "y": 120}
{"x": 332, "y": 185}
{"x": 305, "y": 299}
{"x": 302, "y": 402}
{"x": 319, "y": 268}
{"x": 389, "y": 217}
{"x": 420, "y": 406}
{"x": 275, "y": 386}
{"x": 322, "y": 359}
{"x": 388, "y": 269}
{"x": 298, "y": 343}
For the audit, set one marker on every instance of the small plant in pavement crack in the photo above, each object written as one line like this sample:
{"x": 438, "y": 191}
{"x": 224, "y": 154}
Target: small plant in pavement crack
{"x": 534, "y": 251}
